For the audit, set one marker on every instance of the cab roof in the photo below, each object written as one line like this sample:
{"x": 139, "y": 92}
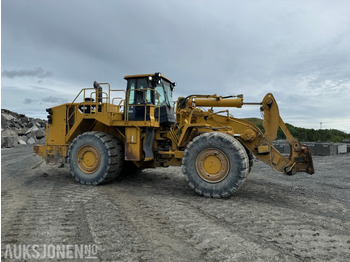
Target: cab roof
{"x": 145, "y": 75}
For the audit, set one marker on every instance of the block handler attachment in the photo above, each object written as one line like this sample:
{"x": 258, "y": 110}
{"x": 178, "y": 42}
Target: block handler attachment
{"x": 300, "y": 159}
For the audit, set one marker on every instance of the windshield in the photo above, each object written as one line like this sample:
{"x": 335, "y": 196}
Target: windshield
{"x": 168, "y": 93}
{"x": 160, "y": 95}
{"x": 165, "y": 95}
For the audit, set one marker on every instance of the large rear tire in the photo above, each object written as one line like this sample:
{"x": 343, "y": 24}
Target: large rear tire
{"x": 215, "y": 164}
{"x": 95, "y": 158}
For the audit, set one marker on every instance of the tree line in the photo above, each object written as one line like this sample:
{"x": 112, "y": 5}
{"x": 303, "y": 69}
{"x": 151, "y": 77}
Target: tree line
{"x": 307, "y": 134}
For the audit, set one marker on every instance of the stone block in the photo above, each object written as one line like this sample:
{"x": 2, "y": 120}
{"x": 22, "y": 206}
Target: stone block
{"x": 342, "y": 149}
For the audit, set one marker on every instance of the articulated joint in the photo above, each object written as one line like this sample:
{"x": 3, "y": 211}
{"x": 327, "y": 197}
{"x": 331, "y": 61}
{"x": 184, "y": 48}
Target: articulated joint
{"x": 248, "y": 135}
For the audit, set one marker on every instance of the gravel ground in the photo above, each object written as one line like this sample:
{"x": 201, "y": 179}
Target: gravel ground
{"x": 155, "y": 216}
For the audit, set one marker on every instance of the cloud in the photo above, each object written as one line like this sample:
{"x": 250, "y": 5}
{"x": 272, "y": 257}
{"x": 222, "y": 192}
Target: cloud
{"x": 28, "y": 101}
{"x": 298, "y": 50}
{"x": 54, "y": 100}
{"x": 36, "y": 72}
{"x": 40, "y": 88}
{"x": 49, "y": 100}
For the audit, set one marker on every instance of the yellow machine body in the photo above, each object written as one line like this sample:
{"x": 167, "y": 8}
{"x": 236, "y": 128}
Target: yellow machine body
{"x": 149, "y": 141}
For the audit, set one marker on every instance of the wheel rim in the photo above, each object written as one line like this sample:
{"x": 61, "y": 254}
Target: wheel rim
{"x": 212, "y": 165}
{"x": 88, "y": 159}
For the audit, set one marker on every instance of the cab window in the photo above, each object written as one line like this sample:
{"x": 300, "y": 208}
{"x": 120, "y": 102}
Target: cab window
{"x": 138, "y": 92}
{"x": 168, "y": 93}
{"x": 160, "y": 97}
{"x": 132, "y": 87}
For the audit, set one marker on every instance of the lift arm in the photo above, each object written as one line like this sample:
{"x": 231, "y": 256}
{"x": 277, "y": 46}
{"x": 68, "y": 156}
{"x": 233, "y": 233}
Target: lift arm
{"x": 259, "y": 143}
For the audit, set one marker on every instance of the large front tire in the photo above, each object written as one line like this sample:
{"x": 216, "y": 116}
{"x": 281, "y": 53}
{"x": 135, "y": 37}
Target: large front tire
{"x": 95, "y": 158}
{"x": 215, "y": 164}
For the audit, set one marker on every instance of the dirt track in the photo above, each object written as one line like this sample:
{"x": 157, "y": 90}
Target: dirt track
{"x": 155, "y": 216}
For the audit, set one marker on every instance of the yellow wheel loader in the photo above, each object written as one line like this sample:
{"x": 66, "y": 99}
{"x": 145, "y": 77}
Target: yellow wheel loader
{"x": 105, "y": 132}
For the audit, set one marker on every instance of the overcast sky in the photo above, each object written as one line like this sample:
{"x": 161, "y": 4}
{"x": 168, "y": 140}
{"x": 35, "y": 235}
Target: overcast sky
{"x": 298, "y": 50}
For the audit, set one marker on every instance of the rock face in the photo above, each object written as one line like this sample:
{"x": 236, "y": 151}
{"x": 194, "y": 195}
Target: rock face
{"x": 17, "y": 129}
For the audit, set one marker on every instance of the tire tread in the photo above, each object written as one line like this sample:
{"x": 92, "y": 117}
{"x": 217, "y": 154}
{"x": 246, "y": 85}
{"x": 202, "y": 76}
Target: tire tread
{"x": 115, "y": 157}
{"x": 204, "y": 188}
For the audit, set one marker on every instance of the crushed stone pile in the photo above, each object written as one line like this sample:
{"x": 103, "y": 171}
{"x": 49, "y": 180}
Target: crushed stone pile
{"x": 17, "y": 129}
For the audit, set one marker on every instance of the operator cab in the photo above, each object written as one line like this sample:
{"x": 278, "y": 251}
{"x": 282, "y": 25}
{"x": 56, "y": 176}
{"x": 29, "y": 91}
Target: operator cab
{"x": 145, "y": 91}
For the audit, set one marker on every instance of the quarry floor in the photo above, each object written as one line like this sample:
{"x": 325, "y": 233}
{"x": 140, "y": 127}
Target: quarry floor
{"x": 155, "y": 216}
